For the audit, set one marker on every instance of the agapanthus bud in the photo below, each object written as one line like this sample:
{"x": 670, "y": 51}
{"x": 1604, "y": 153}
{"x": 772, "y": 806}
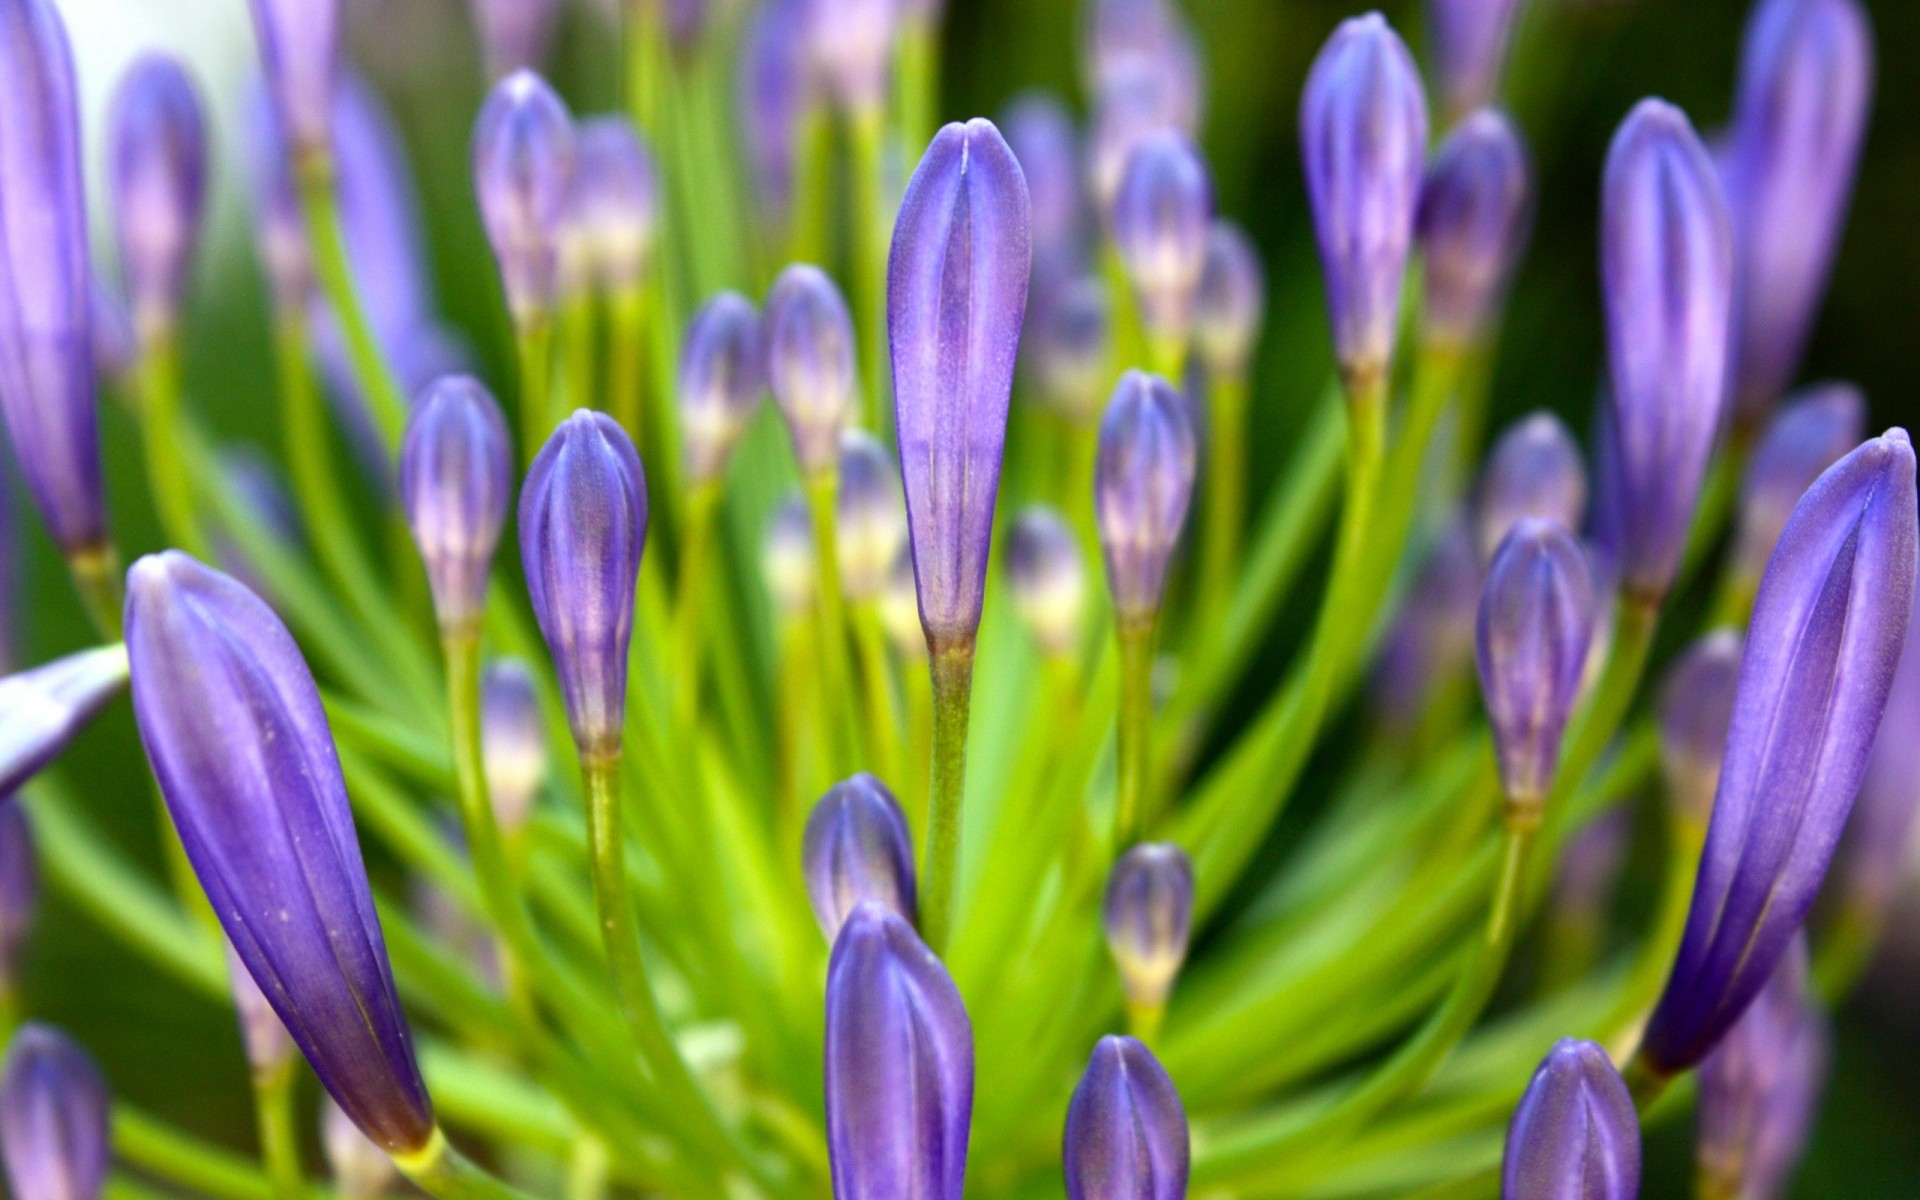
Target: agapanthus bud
{"x": 1049, "y": 579}
{"x": 810, "y": 364}
{"x": 1806, "y": 85}
{"x": 1070, "y": 348}
{"x": 1575, "y": 1135}
{"x": 456, "y": 477}
{"x": 956, "y": 294}
{"x": 1534, "y": 470}
{"x": 1231, "y": 303}
{"x": 1161, "y": 218}
{"x": 234, "y": 730}
{"x": 775, "y": 88}
{"x": 1432, "y": 637}
{"x": 268, "y": 1045}
{"x": 1148, "y": 915}
{"x": 1142, "y": 484}
{"x": 720, "y": 383}
{"x": 857, "y": 848}
{"x": 514, "y": 34}
{"x": 1470, "y": 40}
{"x": 360, "y": 1169}
{"x": 787, "y": 557}
{"x": 46, "y": 282}
{"x": 157, "y": 178}
{"x": 1126, "y": 1133}
{"x": 523, "y": 170}
{"x": 1363, "y": 134}
{"x": 616, "y": 201}
{"x": 583, "y": 526}
{"x": 871, "y": 520}
{"x": 1806, "y": 437}
{"x": 1473, "y": 222}
{"x": 513, "y": 741}
{"x": 1535, "y": 622}
{"x": 300, "y": 55}
{"x": 19, "y": 889}
{"x": 1666, "y": 256}
{"x": 1695, "y": 709}
{"x": 1760, "y": 1088}
{"x": 852, "y": 44}
{"x": 41, "y": 710}
{"x": 900, "y": 610}
{"x": 1135, "y": 105}
{"x": 1040, "y": 130}
{"x": 1827, "y": 631}
{"x": 899, "y": 1058}
{"x": 54, "y": 1113}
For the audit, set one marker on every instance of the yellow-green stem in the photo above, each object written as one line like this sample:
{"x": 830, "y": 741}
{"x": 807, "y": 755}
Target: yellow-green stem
{"x": 835, "y": 672}
{"x": 1225, "y": 507}
{"x": 876, "y": 686}
{"x": 952, "y": 669}
{"x": 534, "y": 337}
{"x": 279, "y": 1140}
{"x": 320, "y": 204}
{"x": 626, "y": 395}
{"x": 96, "y": 576}
{"x": 446, "y": 1174}
{"x": 158, "y": 371}
{"x": 689, "y": 608}
{"x": 1135, "y": 734}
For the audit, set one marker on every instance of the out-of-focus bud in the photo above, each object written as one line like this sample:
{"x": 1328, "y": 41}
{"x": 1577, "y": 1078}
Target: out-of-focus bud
{"x": 1126, "y": 1130}
{"x": 1161, "y": 218}
{"x": 54, "y": 1113}
{"x": 900, "y": 610}
{"x": 1472, "y": 226}
{"x": 1806, "y": 437}
{"x": 41, "y": 710}
{"x": 157, "y": 178}
{"x": 1575, "y": 1135}
{"x": 300, "y": 56}
{"x": 810, "y": 363}
{"x": 1363, "y": 134}
{"x": 899, "y": 1064}
{"x": 871, "y": 515}
{"x": 1144, "y": 40}
{"x": 1134, "y": 107}
{"x": 616, "y": 202}
{"x": 456, "y": 477}
{"x": 956, "y": 295}
{"x": 1470, "y": 40}
{"x": 523, "y": 170}
{"x": 1148, "y": 915}
{"x": 774, "y": 89}
{"x": 513, "y": 741}
{"x": 720, "y": 383}
{"x": 268, "y": 1045}
{"x": 1041, "y": 133}
{"x": 852, "y": 44}
{"x": 19, "y": 889}
{"x": 1432, "y": 638}
{"x": 280, "y": 229}
{"x": 1535, "y": 622}
{"x": 1231, "y": 303}
{"x": 1070, "y": 348}
{"x": 1760, "y": 1089}
{"x": 1533, "y": 470}
{"x": 787, "y": 558}
{"x": 1666, "y": 257}
{"x": 1828, "y": 628}
{"x": 1873, "y": 855}
{"x": 857, "y": 848}
{"x": 1049, "y": 579}
{"x": 514, "y": 34}
{"x": 583, "y": 527}
{"x": 360, "y": 1169}
{"x": 1143, "y": 482}
{"x": 1695, "y": 710}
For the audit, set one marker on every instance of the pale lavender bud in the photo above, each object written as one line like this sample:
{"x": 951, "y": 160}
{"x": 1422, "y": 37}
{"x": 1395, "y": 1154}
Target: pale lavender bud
{"x": 514, "y": 34}
{"x": 810, "y": 363}
{"x": 1070, "y": 348}
{"x": 1143, "y": 39}
{"x": 1760, "y": 1088}
{"x": 523, "y": 169}
{"x": 857, "y": 848}
{"x": 1161, "y": 218}
{"x": 1126, "y": 1136}
{"x": 1695, "y": 710}
{"x": 1470, "y": 39}
{"x": 616, "y": 202}
{"x": 787, "y": 558}
{"x": 1472, "y": 225}
{"x": 871, "y": 520}
{"x": 300, "y": 56}
{"x": 1231, "y": 302}
{"x": 41, "y": 710}
{"x": 268, "y": 1045}
{"x": 360, "y": 1169}
{"x": 54, "y": 1114}
{"x": 19, "y": 889}
{"x": 1143, "y": 483}
{"x": 1148, "y": 917}
{"x": 157, "y": 179}
{"x": 1533, "y": 470}
{"x": 852, "y": 44}
{"x": 720, "y": 382}
{"x": 1049, "y": 579}
{"x": 1808, "y": 435}
{"x": 1575, "y": 1135}
{"x": 456, "y": 478}
{"x": 513, "y": 741}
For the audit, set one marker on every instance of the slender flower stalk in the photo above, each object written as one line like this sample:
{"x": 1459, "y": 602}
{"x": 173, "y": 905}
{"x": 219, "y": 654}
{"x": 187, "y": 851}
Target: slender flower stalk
{"x": 270, "y": 1061}
{"x": 53, "y": 1118}
{"x": 1126, "y": 1132}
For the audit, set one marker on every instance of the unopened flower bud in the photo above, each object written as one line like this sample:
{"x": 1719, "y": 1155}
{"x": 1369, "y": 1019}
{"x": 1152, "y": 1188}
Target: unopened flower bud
{"x": 1808, "y": 435}
{"x": 268, "y": 1045}
{"x": 1126, "y": 1131}
{"x": 1070, "y": 347}
{"x": 1161, "y": 218}
{"x": 54, "y": 1114}
{"x": 1231, "y": 302}
{"x": 1473, "y": 219}
{"x": 719, "y": 385}
{"x": 1049, "y": 579}
{"x": 1142, "y": 485}
{"x": 616, "y": 202}
{"x": 456, "y": 479}
{"x": 41, "y": 710}
{"x": 158, "y": 182}
{"x": 523, "y": 171}
{"x": 1148, "y": 914}
{"x": 787, "y": 558}
{"x": 1575, "y": 1134}
{"x": 857, "y": 848}
{"x": 810, "y": 363}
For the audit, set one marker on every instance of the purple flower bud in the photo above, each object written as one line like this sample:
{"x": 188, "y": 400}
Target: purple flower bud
{"x": 41, "y": 710}
{"x": 513, "y": 741}
{"x": 523, "y": 168}
{"x": 456, "y": 476}
{"x": 1473, "y": 223}
{"x": 1807, "y": 436}
{"x": 1126, "y": 1133}
{"x": 1040, "y": 130}
{"x": 54, "y": 1111}
{"x": 956, "y": 294}
{"x": 515, "y": 34}
{"x": 1827, "y": 631}
{"x": 851, "y": 43}
{"x": 46, "y": 339}
{"x": 720, "y": 382}
{"x": 1535, "y": 622}
{"x": 1533, "y": 470}
{"x": 857, "y": 848}
{"x": 1470, "y": 49}
{"x": 1666, "y": 256}
{"x": 787, "y": 558}
{"x": 268, "y": 1045}
{"x": 583, "y": 526}
{"x": 1695, "y": 709}
{"x": 1575, "y": 1135}
{"x": 871, "y": 517}
{"x": 1363, "y": 134}
{"x": 899, "y": 1059}
{"x": 19, "y": 889}
{"x": 1806, "y": 83}
{"x": 810, "y": 363}
{"x": 1070, "y": 348}
{"x": 1142, "y": 484}
{"x": 157, "y": 177}
{"x": 1148, "y": 915}
{"x": 1133, "y": 107}
{"x": 774, "y": 89}
{"x": 616, "y": 201}
{"x": 1161, "y": 218}
{"x": 1760, "y": 1088}
{"x": 1431, "y": 640}
{"x": 360, "y": 1169}
{"x": 234, "y": 730}
{"x": 1231, "y": 303}
{"x": 300, "y": 54}
{"x": 1049, "y": 579}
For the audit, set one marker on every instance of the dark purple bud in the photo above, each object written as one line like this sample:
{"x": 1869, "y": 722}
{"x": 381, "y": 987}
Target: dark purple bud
{"x": 1535, "y": 622}
{"x": 1695, "y": 710}
{"x": 1533, "y": 470}
{"x": 41, "y": 710}
{"x": 46, "y": 282}
{"x": 1041, "y": 132}
{"x": 300, "y": 55}
{"x": 1806, "y": 84}
{"x": 1431, "y": 640}
{"x": 774, "y": 90}
{"x": 1049, "y": 579}
{"x": 851, "y": 44}
{"x": 810, "y": 363}
{"x": 857, "y": 848}
{"x": 1806, "y": 437}
{"x": 1148, "y": 915}
{"x": 1070, "y": 348}
{"x": 1231, "y": 303}
{"x": 720, "y": 382}
{"x": 1666, "y": 256}
{"x": 268, "y": 1045}
{"x": 523, "y": 169}
{"x": 515, "y": 34}
{"x": 616, "y": 202}
{"x": 1142, "y": 484}
{"x": 19, "y": 890}
{"x": 1827, "y": 631}
{"x": 956, "y": 294}
{"x": 1126, "y": 1133}
{"x": 583, "y": 526}
{"x": 899, "y": 1064}
{"x": 1363, "y": 134}
{"x": 871, "y": 515}
{"x": 234, "y": 730}
{"x": 1473, "y": 223}
{"x": 1470, "y": 40}
{"x": 1873, "y": 855}
{"x": 787, "y": 558}
{"x": 513, "y": 741}
{"x": 1161, "y": 218}
{"x": 1760, "y": 1088}
{"x": 157, "y": 178}
{"x": 54, "y": 1113}
{"x": 1575, "y": 1135}
{"x": 360, "y": 1169}
{"x": 456, "y": 477}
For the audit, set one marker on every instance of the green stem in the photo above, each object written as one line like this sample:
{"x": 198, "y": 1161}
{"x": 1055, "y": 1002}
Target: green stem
{"x": 883, "y": 726}
{"x": 690, "y": 608}
{"x": 952, "y": 668}
{"x": 646, "y": 59}
{"x": 534, "y": 337}
{"x": 159, "y": 382}
{"x": 813, "y": 183}
{"x": 1225, "y": 509}
{"x": 1135, "y": 732}
{"x": 279, "y": 1142}
{"x": 144, "y": 1141}
{"x": 831, "y": 608}
{"x": 320, "y": 204}
{"x": 869, "y": 233}
{"x": 917, "y": 86}
{"x": 626, "y": 395}
{"x": 443, "y": 1172}
{"x": 577, "y": 351}
{"x": 96, "y": 576}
